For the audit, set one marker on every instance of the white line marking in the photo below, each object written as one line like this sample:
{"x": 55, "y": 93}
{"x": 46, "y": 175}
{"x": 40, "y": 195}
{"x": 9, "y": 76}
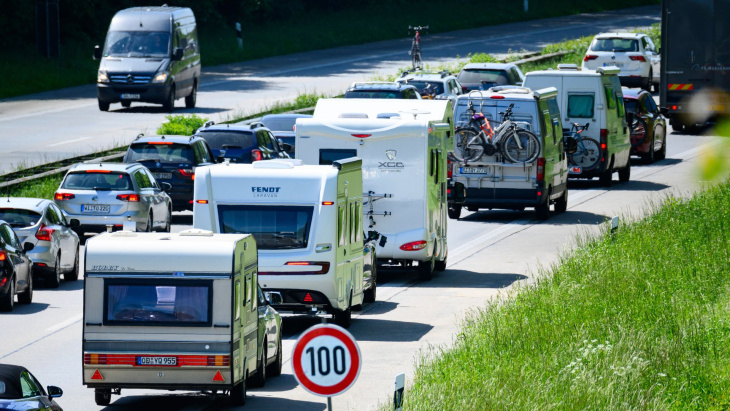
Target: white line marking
{"x": 40, "y": 113}
{"x": 69, "y": 141}
{"x": 65, "y": 324}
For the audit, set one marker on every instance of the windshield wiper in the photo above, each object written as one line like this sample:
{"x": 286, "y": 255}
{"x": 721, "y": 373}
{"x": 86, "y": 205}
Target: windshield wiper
{"x": 102, "y": 188}
{"x": 144, "y": 160}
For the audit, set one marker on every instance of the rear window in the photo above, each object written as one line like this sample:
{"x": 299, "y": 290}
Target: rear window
{"x": 327, "y": 156}
{"x": 162, "y": 153}
{"x": 18, "y": 217}
{"x": 615, "y": 44}
{"x": 228, "y": 140}
{"x": 580, "y": 105}
{"x": 134, "y": 302}
{"x": 373, "y": 94}
{"x": 280, "y": 124}
{"x": 422, "y": 85}
{"x": 97, "y": 181}
{"x": 498, "y": 77}
{"x": 273, "y": 227}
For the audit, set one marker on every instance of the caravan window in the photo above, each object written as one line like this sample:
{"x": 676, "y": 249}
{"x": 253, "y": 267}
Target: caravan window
{"x": 273, "y": 227}
{"x": 148, "y": 302}
{"x": 327, "y": 156}
{"x": 580, "y": 105}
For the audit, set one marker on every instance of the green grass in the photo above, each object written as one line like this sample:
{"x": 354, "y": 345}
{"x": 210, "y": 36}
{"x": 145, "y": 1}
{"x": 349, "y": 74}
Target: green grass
{"x": 40, "y": 188}
{"x": 636, "y": 321}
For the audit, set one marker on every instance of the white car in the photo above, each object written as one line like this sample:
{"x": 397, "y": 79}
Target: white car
{"x": 433, "y": 86}
{"x": 633, "y": 53}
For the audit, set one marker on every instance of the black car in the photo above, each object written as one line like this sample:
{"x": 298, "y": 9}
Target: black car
{"x": 241, "y": 143}
{"x": 172, "y": 160}
{"x": 20, "y": 390}
{"x": 382, "y": 90}
{"x": 15, "y": 270}
{"x": 482, "y": 76}
{"x": 282, "y": 126}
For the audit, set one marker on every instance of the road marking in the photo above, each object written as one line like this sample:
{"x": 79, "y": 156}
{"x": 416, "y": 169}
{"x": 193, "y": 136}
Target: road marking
{"x": 69, "y": 141}
{"x": 65, "y": 324}
{"x": 40, "y": 113}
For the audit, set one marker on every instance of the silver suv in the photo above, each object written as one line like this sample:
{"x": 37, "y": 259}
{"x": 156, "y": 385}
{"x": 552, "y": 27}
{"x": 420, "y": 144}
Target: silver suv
{"x": 112, "y": 194}
{"x": 433, "y": 86}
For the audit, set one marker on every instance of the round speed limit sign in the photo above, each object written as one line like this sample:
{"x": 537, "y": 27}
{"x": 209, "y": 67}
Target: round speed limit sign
{"x": 326, "y": 360}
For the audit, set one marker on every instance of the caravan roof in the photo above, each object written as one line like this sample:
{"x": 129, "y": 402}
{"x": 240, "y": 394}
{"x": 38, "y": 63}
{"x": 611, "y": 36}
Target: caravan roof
{"x": 430, "y": 110}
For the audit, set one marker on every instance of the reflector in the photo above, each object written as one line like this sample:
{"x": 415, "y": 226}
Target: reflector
{"x": 218, "y": 377}
{"x": 97, "y": 376}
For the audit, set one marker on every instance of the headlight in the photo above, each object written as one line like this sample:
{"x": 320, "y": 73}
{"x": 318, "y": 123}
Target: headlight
{"x": 101, "y": 77}
{"x": 160, "y": 77}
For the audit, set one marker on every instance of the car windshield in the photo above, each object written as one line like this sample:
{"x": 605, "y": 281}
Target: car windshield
{"x": 423, "y": 85}
{"x": 155, "y": 303}
{"x": 273, "y": 227}
{"x": 498, "y": 77}
{"x": 160, "y": 152}
{"x": 94, "y": 180}
{"x": 137, "y": 44}
{"x": 17, "y": 217}
{"x": 280, "y": 123}
{"x": 228, "y": 139}
{"x": 373, "y": 94}
{"x": 615, "y": 44}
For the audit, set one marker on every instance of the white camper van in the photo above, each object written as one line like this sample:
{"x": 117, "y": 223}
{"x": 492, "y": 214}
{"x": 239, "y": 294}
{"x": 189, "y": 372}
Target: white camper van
{"x": 170, "y": 311}
{"x": 403, "y": 144}
{"x": 307, "y": 222}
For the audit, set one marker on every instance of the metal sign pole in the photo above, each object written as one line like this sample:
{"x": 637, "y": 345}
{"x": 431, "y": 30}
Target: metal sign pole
{"x": 329, "y": 403}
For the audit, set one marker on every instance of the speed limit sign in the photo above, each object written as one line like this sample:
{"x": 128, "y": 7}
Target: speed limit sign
{"x": 326, "y": 360}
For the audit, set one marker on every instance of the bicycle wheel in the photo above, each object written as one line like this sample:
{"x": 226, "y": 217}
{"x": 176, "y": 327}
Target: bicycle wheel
{"x": 467, "y": 147}
{"x": 525, "y": 152}
{"x": 587, "y": 155}
{"x": 416, "y": 59}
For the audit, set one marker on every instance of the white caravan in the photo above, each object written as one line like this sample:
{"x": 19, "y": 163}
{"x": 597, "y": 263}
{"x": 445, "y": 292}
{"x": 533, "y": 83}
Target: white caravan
{"x": 403, "y": 146}
{"x": 307, "y": 222}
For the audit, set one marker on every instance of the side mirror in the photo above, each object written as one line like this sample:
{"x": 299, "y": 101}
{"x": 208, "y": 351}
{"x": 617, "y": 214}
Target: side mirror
{"x": 286, "y": 147}
{"x": 166, "y": 186}
{"x": 383, "y": 240}
{"x": 28, "y": 246}
{"x": 54, "y": 392}
{"x": 74, "y": 222}
{"x": 273, "y": 297}
{"x": 177, "y": 55}
{"x": 97, "y": 52}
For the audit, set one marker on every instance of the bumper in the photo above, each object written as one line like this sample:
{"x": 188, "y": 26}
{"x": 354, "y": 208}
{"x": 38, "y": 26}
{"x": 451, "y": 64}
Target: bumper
{"x": 505, "y": 198}
{"x": 168, "y": 378}
{"x": 293, "y": 301}
{"x": 148, "y": 93}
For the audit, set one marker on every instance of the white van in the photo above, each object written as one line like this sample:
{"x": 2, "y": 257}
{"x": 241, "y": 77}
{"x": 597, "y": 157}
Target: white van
{"x": 403, "y": 144}
{"x": 593, "y": 97}
{"x": 170, "y": 311}
{"x": 307, "y": 222}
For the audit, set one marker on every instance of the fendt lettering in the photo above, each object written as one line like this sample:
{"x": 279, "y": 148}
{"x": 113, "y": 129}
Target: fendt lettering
{"x": 265, "y": 189}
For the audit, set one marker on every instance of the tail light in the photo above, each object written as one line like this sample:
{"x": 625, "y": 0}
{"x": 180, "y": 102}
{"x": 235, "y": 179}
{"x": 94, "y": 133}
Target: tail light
{"x": 449, "y": 168}
{"x": 414, "y": 246}
{"x": 604, "y": 143}
{"x": 132, "y": 198}
{"x": 324, "y": 266}
{"x": 3, "y": 281}
{"x": 3, "y": 256}
{"x": 63, "y": 196}
{"x": 637, "y": 58}
{"x": 464, "y": 89}
{"x": 44, "y": 233}
{"x": 362, "y": 135}
{"x": 497, "y": 97}
{"x": 541, "y": 169}
{"x": 187, "y": 172}
{"x": 674, "y": 107}
{"x": 589, "y": 57}
{"x": 256, "y": 155}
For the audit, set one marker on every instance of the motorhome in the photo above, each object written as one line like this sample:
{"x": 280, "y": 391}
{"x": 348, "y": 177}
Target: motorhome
{"x": 307, "y": 221}
{"x": 403, "y": 144}
{"x": 170, "y": 311}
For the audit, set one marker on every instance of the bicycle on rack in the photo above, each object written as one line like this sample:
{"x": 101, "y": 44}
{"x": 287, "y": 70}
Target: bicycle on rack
{"x": 583, "y": 152}
{"x": 516, "y": 144}
{"x": 415, "y": 52}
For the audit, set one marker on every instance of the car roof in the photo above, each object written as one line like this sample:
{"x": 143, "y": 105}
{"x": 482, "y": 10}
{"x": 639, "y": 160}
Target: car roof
{"x": 511, "y": 93}
{"x": 384, "y": 85}
{"x": 442, "y": 76}
{"x": 285, "y": 115}
{"x": 623, "y": 34}
{"x": 498, "y": 66}
{"x": 26, "y": 203}
{"x": 10, "y": 375}
{"x": 118, "y": 167}
{"x": 173, "y": 138}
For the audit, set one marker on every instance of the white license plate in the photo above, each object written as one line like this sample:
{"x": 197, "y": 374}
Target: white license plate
{"x": 159, "y": 361}
{"x": 162, "y": 176}
{"x": 94, "y": 208}
{"x": 475, "y": 170}
{"x": 613, "y": 64}
{"x": 575, "y": 170}
{"x": 128, "y": 96}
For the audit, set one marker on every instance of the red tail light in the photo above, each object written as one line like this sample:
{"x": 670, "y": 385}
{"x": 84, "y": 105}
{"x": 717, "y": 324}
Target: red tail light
{"x": 63, "y": 196}
{"x": 674, "y": 107}
{"x": 324, "y": 266}
{"x": 3, "y": 256}
{"x": 132, "y": 198}
{"x": 589, "y": 57}
{"x": 414, "y": 246}
{"x": 362, "y": 135}
{"x": 44, "y": 233}
{"x": 187, "y": 172}
{"x": 637, "y": 58}
{"x": 157, "y": 143}
{"x": 3, "y": 281}
{"x": 449, "y": 168}
{"x": 541, "y": 169}
{"x": 497, "y": 97}
{"x": 256, "y": 155}
{"x": 98, "y": 171}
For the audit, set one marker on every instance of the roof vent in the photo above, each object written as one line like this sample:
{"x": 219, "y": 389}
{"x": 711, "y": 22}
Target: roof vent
{"x": 353, "y": 115}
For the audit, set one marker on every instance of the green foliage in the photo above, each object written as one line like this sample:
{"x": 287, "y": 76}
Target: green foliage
{"x": 183, "y": 125}
{"x": 42, "y": 188}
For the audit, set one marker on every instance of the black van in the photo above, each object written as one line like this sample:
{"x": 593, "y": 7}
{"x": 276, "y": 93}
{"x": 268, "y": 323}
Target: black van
{"x": 151, "y": 55}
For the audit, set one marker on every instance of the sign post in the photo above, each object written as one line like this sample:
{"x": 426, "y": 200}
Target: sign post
{"x": 326, "y": 361}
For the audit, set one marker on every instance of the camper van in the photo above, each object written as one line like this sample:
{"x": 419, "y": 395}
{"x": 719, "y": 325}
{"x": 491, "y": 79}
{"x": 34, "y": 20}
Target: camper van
{"x": 593, "y": 97}
{"x": 307, "y": 222}
{"x": 171, "y": 312}
{"x": 403, "y": 144}
{"x": 151, "y": 55}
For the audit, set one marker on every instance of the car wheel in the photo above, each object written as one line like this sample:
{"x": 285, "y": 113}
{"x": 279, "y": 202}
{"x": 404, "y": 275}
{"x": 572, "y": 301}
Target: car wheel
{"x": 54, "y": 280}
{"x": 73, "y": 275}
{"x": 150, "y": 223}
{"x": 440, "y": 265}
{"x": 542, "y": 211}
{"x": 606, "y": 178}
{"x": 27, "y": 296}
{"x": 275, "y": 367}
{"x": 425, "y": 269}
{"x": 343, "y": 318}
{"x": 648, "y": 158}
{"x": 169, "y": 105}
{"x": 238, "y": 393}
{"x": 454, "y": 212}
{"x": 648, "y": 82}
{"x": 259, "y": 379}
{"x": 168, "y": 223}
{"x": 103, "y": 106}
{"x": 193, "y": 97}
{"x": 126, "y": 104}
{"x": 663, "y": 152}
{"x": 102, "y": 397}
{"x": 7, "y": 300}
{"x": 371, "y": 293}
{"x": 561, "y": 204}
{"x": 625, "y": 173}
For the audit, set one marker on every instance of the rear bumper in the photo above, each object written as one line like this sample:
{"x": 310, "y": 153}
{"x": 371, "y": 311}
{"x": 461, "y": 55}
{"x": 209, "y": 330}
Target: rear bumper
{"x": 96, "y": 223}
{"x": 506, "y": 198}
{"x": 293, "y": 301}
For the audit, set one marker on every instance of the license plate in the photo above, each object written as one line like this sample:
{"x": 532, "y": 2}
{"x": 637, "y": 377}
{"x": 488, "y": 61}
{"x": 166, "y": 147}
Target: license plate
{"x": 94, "y": 208}
{"x": 613, "y": 64}
{"x": 128, "y": 96}
{"x": 162, "y": 176}
{"x": 475, "y": 170}
{"x": 158, "y": 361}
{"x": 575, "y": 170}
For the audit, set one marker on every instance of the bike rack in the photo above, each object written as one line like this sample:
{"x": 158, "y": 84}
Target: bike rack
{"x": 373, "y": 197}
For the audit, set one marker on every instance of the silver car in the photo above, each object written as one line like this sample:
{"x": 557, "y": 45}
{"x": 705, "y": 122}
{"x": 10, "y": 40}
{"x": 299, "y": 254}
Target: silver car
{"x": 41, "y": 223}
{"x": 116, "y": 195}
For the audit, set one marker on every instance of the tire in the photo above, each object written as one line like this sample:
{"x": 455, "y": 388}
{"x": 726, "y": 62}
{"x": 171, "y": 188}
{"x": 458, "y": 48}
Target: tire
{"x": 274, "y": 369}
{"x": 440, "y": 265}
{"x": 238, "y": 393}
{"x": 561, "y": 204}
{"x": 371, "y": 293}
{"x": 259, "y": 378}
{"x": 102, "y": 396}
{"x": 464, "y": 151}
{"x": 54, "y": 280}
{"x": 588, "y": 159}
{"x": 7, "y": 300}
{"x": 606, "y": 178}
{"x": 542, "y": 211}
{"x": 73, "y": 275}
{"x": 192, "y": 98}
{"x": 27, "y": 296}
{"x": 416, "y": 59}
{"x": 625, "y": 173}
{"x": 126, "y": 104}
{"x": 343, "y": 318}
{"x": 425, "y": 269}
{"x": 663, "y": 152}
{"x": 103, "y": 105}
{"x": 150, "y": 223}
{"x": 530, "y": 147}
{"x": 454, "y": 212}
{"x": 168, "y": 224}
{"x": 169, "y": 105}
{"x": 649, "y": 81}
{"x": 649, "y": 157}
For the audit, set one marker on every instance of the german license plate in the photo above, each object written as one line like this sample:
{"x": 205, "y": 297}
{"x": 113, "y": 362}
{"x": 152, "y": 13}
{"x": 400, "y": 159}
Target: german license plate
{"x": 613, "y": 64}
{"x": 162, "y": 176}
{"x": 94, "y": 208}
{"x": 575, "y": 170}
{"x": 158, "y": 361}
{"x": 475, "y": 170}
{"x": 128, "y": 96}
